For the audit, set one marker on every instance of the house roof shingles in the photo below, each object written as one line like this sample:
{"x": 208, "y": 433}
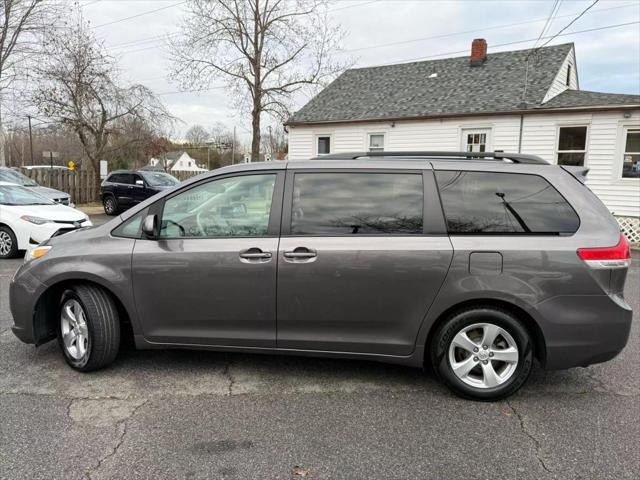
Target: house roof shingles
{"x": 585, "y": 98}
{"x": 407, "y": 90}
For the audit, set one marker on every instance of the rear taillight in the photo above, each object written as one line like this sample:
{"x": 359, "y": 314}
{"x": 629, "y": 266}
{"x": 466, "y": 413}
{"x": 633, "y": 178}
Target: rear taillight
{"x": 618, "y": 256}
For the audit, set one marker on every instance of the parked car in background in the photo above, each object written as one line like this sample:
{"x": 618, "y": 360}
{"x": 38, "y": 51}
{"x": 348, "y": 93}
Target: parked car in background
{"x": 14, "y": 176}
{"x": 45, "y": 167}
{"x": 124, "y": 188}
{"x": 473, "y": 263}
{"x": 27, "y": 218}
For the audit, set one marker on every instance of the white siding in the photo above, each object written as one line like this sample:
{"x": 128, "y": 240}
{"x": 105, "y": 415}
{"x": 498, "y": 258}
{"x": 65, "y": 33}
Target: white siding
{"x": 540, "y": 136}
{"x": 559, "y": 84}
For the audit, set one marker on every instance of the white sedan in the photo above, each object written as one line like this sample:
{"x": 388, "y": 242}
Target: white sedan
{"x": 28, "y": 218}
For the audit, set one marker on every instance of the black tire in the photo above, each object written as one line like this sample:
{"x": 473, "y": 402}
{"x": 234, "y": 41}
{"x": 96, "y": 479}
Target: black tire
{"x": 454, "y": 324}
{"x": 110, "y": 205}
{"x": 103, "y": 326}
{"x": 7, "y": 236}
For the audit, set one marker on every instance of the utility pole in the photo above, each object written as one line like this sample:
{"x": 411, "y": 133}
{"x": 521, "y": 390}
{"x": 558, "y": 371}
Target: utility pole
{"x": 30, "y": 141}
{"x": 233, "y": 147}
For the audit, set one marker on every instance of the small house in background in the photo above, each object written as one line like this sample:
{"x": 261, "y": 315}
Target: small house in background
{"x": 178, "y": 161}
{"x": 525, "y": 101}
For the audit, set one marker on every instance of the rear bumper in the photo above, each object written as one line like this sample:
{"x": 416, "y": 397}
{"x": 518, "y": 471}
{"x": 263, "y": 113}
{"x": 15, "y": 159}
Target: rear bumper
{"x": 583, "y": 330}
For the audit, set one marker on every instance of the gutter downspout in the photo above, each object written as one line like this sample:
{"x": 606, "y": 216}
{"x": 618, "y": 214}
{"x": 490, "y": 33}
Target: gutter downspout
{"x": 520, "y": 136}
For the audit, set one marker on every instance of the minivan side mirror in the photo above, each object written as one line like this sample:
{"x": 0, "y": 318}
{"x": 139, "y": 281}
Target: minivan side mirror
{"x": 150, "y": 226}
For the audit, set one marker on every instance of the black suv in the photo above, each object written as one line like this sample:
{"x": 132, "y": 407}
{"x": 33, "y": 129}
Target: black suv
{"x": 124, "y": 188}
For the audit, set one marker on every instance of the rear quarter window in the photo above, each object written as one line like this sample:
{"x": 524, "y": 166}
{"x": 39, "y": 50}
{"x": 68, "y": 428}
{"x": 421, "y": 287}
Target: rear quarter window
{"x": 503, "y": 203}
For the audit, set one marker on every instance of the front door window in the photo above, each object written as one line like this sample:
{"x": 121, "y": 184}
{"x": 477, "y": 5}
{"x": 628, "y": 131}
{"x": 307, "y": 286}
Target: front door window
{"x": 228, "y": 207}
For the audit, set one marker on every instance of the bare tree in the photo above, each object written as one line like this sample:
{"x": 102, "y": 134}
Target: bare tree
{"x": 79, "y": 89}
{"x": 265, "y": 50}
{"x": 22, "y": 22}
{"x": 197, "y": 135}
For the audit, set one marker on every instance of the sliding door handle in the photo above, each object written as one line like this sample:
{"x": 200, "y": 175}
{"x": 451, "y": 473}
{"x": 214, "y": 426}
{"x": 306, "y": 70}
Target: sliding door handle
{"x": 300, "y": 253}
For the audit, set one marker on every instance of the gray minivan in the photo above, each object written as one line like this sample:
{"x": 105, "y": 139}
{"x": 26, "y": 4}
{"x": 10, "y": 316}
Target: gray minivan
{"x": 472, "y": 263}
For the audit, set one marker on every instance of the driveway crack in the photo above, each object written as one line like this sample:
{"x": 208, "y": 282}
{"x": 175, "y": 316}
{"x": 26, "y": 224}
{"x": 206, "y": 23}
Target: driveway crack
{"x": 536, "y": 442}
{"x": 121, "y": 433}
{"x": 228, "y": 374}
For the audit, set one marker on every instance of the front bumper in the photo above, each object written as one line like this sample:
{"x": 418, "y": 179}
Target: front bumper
{"x": 24, "y": 292}
{"x": 583, "y": 330}
{"x": 36, "y": 234}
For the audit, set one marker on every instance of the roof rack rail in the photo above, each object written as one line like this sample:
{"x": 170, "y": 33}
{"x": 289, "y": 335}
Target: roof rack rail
{"x": 499, "y": 156}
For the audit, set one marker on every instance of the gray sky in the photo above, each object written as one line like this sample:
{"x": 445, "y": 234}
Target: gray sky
{"x": 386, "y": 31}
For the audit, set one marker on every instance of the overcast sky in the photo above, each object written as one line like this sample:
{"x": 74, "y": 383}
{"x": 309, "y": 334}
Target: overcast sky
{"x": 387, "y": 31}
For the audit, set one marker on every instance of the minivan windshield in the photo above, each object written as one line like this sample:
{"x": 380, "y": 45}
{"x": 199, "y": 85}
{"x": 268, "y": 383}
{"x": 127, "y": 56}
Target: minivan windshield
{"x": 18, "y": 195}
{"x": 12, "y": 176}
{"x": 159, "y": 179}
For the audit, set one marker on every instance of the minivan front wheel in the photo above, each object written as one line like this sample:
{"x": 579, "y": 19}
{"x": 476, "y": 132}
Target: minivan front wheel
{"x": 88, "y": 327}
{"x": 483, "y": 353}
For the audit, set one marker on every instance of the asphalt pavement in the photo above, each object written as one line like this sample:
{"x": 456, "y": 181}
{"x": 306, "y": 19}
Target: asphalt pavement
{"x": 203, "y": 415}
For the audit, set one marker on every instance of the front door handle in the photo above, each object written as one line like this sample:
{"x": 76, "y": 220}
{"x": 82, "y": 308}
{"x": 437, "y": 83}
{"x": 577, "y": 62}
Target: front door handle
{"x": 300, "y": 253}
{"x": 254, "y": 254}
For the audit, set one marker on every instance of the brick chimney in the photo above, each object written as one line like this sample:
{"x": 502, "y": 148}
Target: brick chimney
{"x": 478, "y": 52}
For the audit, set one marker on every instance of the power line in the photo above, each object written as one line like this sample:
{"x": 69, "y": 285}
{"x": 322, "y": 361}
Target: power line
{"x": 554, "y": 10}
{"x": 147, "y": 12}
{"x": 570, "y": 23}
{"x": 132, "y": 43}
{"x": 605, "y": 27}
{"x": 160, "y": 37}
{"x": 444, "y": 35}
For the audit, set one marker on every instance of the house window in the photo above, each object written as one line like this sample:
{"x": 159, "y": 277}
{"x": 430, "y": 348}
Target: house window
{"x": 631, "y": 158}
{"x": 376, "y": 142}
{"x": 475, "y": 140}
{"x": 324, "y": 145}
{"x": 568, "y": 80}
{"x": 572, "y": 145}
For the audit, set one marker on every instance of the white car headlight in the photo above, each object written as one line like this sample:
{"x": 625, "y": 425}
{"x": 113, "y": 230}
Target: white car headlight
{"x": 35, "y": 220}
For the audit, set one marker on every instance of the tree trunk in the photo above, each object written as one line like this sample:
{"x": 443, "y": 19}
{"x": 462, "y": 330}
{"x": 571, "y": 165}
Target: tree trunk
{"x": 2, "y": 142}
{"x": 255, "y": 126}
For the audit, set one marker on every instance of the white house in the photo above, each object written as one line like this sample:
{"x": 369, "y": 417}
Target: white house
{"x": 519, "y": 101}
{"x": 176, "y": 162}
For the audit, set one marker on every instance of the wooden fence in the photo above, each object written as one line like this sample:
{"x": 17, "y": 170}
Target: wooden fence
{"x": 80, "y": 184}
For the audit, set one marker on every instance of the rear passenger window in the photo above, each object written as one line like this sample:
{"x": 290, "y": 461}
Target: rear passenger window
{"x": 503, "y": 203}
{"x": 120, "y": 178}
{"x": 357, "y": 203}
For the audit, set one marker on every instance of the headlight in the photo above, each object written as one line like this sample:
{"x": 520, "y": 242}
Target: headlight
{"x": 34, "y": 220}
{"x": 36, "y": 252}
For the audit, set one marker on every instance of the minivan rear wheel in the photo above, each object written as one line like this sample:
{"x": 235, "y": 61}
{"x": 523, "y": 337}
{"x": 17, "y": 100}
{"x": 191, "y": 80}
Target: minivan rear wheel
{"x": 482, "y": 353}
{"x": 88, "y": 327}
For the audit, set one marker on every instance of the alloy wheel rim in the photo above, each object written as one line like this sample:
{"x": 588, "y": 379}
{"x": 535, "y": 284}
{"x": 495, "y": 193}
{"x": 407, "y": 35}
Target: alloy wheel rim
{"x": 109, "y": 205}
{"x": 5, "y": 243}
{"x": 75, "y": 334}
{"x": 483, "y": 355}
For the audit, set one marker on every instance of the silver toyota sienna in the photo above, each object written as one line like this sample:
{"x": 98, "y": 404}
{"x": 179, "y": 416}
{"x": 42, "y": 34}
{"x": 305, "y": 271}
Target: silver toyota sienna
{"x": 472, "y": 263}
